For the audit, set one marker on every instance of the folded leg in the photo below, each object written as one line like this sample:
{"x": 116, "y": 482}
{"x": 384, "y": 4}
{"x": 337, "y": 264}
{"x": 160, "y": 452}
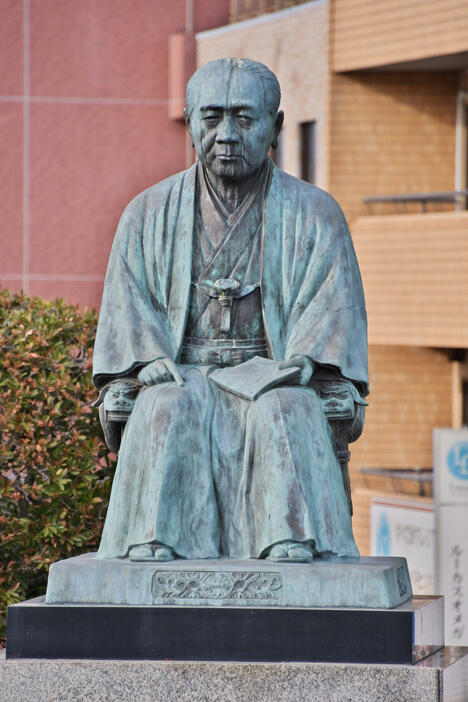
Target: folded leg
{"x": 292, "y": 488}
{"x": 163, "y": 488}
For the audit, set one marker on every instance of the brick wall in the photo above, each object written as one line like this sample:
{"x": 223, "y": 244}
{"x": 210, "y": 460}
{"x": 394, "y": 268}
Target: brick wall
{"x": 294, "y": 44}
{"x": 415, "y": 274}
{"x": 411, "y": 393}
{"x": 391, "y": 133}
{"x": 370, "y": 33}
{"x": 245, "y": 9}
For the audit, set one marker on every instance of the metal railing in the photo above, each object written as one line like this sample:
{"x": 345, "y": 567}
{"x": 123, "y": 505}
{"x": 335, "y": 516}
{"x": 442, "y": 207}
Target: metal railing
{"x": 455, "y": 196}
{"x": 245, "y": 9}
{"x": 423, "y": 476}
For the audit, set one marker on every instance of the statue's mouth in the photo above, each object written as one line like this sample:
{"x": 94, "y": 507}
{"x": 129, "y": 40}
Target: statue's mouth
{"x": 229, "y": 157}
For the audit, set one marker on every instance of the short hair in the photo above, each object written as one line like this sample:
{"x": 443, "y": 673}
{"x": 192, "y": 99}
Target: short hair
{"x": 270, "y": 81}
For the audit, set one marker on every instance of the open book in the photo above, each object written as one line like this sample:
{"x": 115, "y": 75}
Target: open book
{"x": 252, "y": 378}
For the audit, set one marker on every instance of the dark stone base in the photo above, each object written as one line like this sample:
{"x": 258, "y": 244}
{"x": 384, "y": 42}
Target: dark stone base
{"x": 400, "y": 635}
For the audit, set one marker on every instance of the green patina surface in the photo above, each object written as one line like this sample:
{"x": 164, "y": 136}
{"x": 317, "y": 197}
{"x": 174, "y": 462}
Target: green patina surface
{"x": 229, "y": 259}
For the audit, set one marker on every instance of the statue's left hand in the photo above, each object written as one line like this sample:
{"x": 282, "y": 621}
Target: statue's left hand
{"x": 159, "y": 371}
{"x": 304, "y": 363}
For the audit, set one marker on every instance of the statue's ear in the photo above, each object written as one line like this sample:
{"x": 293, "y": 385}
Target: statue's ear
{"x": 187, "y": 122}
{"x": 278, "y": 125}
{"x": 187, "y": 118}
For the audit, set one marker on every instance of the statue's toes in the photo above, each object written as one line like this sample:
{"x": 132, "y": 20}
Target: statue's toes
{"x": 163, "y": 553}
{"x": 291, "y": 552}
{"x": 279, "y": 552}
{"x": 300, "y": 553}
{"x": 141, "y": 553}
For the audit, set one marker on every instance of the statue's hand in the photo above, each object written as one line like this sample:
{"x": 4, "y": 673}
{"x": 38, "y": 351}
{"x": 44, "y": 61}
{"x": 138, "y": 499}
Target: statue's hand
{"x": 304, "y": 363}
{"x": 159, "y": 372}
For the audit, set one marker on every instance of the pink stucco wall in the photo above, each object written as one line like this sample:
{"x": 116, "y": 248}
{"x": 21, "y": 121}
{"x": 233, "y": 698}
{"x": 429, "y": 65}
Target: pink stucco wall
{"x": 85, "y": 127}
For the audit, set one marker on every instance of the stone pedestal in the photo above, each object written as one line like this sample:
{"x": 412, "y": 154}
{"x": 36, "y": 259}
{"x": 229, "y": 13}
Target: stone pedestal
{"x": 441, "y": 677}
{"x": 402, "y": 635}
{"x": 344, "y": 582}
{"x": 229, "y": 631}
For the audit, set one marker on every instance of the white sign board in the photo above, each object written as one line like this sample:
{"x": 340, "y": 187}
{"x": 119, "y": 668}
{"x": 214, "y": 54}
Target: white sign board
{"x": 451, "y": 501}
{"x": 406, "y": 528}
{"x": 451, "y": 466}
{"x": 453, "y": 572}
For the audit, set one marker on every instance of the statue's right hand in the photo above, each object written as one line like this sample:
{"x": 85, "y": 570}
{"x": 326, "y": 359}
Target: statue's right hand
{"x": 160, "y": 371}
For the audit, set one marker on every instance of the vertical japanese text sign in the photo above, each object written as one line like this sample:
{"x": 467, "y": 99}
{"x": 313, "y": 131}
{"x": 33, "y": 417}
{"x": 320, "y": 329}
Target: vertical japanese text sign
{"x": 451, "y": 502}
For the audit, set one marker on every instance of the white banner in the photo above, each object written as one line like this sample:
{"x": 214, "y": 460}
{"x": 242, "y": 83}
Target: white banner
{"x": 406, "y": 528}
{"x": 453, "y": 572}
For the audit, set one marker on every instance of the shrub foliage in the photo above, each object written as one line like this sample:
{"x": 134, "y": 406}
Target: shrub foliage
{"x": 54, "y": 466}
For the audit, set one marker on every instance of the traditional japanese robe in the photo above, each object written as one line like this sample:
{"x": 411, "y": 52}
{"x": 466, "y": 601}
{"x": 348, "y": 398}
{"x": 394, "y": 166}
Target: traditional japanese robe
{"x": 201, "y": 470}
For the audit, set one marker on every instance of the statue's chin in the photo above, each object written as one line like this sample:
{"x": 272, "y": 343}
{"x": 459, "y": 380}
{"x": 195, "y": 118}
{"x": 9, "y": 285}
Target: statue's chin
{"x": 234, "y": 169}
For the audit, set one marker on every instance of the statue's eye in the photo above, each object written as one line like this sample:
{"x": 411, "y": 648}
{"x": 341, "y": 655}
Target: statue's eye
{"x": 244, "y": 119}
{"x": 211, "y": 119}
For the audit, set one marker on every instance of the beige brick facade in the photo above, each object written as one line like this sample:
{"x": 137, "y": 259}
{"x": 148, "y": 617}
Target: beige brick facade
{"x": 391, "y": 133}
{"x": 368, "y": 33}
{"x": 411, "y": 392}
{"x": 415, "y": 273}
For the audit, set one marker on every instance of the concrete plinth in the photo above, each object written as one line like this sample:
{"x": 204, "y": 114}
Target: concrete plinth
{"x": 361, "y": 582}
{"x": 442, "y": 677}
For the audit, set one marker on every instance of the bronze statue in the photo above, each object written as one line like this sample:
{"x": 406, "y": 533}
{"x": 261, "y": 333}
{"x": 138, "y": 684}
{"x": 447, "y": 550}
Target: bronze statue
{"x": 221, "y": 267}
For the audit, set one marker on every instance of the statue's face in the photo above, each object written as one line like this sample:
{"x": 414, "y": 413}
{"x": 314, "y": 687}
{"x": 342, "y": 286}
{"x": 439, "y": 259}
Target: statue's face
{"x": 231, "y": 125}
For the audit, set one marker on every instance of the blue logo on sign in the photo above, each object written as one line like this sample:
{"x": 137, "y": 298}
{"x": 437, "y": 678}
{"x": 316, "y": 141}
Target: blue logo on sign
{"x": 383, "y": 536}
{"x": 457, "y": 460}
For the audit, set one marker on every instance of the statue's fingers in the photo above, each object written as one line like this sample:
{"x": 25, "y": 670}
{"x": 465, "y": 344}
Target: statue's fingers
{"x": 161, "y": 373}
{"x": 174, "y": 371}
{"x": 151, "y": 377}
{"x": 144, "y": 376}
{"x": 307, "y": 371}
{"x": 284, "y": 364}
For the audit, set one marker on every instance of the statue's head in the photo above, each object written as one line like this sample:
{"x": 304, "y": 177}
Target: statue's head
{"x": 232, "y": 115}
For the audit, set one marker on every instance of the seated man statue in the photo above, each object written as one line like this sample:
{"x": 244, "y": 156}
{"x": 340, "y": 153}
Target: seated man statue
{"x": 228, "y": 260}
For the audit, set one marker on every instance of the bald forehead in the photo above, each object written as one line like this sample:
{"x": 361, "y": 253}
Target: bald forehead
{"x": 223, "y": 85}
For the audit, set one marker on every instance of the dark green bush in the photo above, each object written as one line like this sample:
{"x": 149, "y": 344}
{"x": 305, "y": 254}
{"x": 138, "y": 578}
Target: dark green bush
{"x": 55, "y": 469}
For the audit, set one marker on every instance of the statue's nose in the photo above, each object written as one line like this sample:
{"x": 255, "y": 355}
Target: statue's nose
{"x": 227, "y": 131}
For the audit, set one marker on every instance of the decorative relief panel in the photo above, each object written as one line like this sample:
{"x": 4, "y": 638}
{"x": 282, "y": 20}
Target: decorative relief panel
{"x": 216, "y": 585}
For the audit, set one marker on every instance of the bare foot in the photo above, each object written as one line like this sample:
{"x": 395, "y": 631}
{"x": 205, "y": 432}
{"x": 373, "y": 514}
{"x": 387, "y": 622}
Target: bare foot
{"x": 163, "y": 553}
{"x": 151, "y": 552}
{"x": 141, "y": 553}
{"x": 291, "y": 552}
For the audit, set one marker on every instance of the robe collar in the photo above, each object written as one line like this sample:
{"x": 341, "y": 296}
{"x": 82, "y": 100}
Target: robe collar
{"x": 232, "y": 218}
{"x": 236, "y": 237}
